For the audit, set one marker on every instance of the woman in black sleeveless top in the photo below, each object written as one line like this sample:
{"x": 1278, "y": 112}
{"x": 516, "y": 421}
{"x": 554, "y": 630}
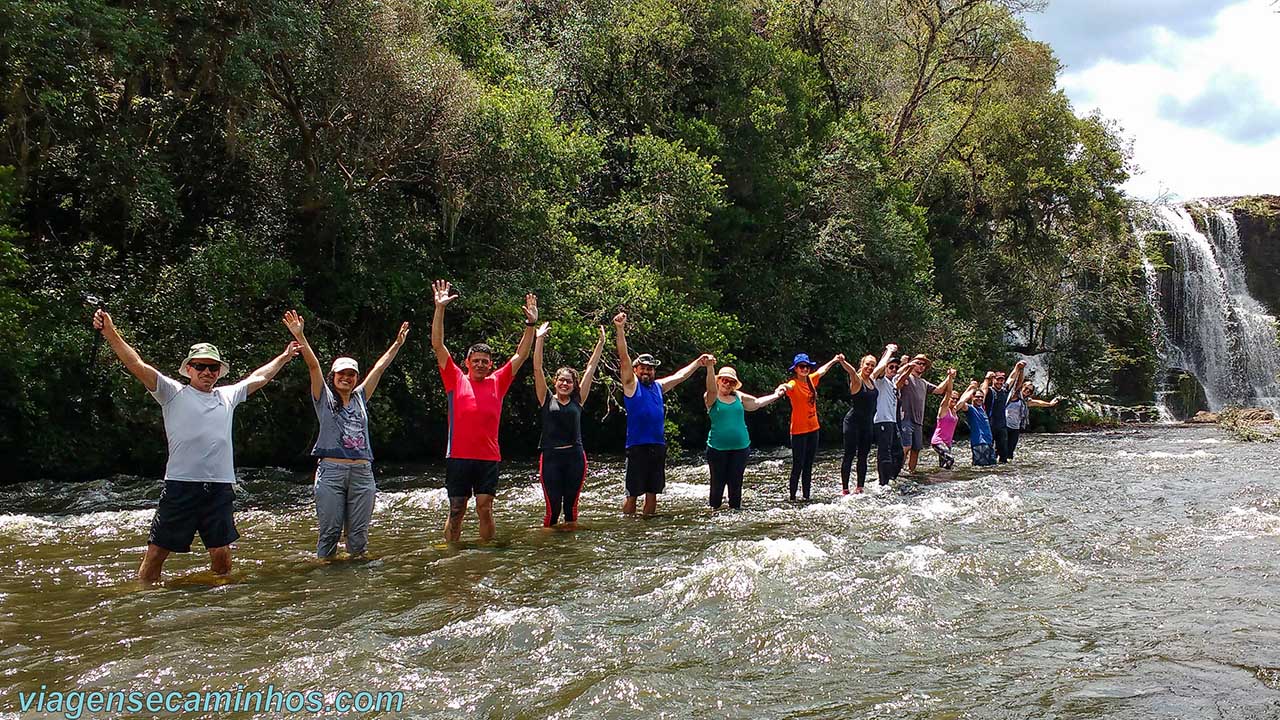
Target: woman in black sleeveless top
{"x": 562, "y": 466}
{"x": 859, "y": 422}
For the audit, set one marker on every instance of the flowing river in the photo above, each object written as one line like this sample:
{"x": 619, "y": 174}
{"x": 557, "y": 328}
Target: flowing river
{"x": 1125, "y": 574}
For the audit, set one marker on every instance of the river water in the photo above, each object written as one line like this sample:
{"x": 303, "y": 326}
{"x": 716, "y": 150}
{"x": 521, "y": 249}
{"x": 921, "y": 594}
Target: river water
{"x": 1126, "y": 574}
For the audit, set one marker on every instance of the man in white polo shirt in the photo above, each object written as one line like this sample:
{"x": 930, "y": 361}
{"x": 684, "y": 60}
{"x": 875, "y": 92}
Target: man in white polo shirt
{"x": 200, "y": 474}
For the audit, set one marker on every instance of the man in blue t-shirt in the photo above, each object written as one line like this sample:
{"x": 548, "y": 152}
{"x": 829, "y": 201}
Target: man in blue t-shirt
{"x": 642, "y": 396}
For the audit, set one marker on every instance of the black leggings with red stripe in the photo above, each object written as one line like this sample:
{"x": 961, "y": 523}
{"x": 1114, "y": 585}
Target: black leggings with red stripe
{"x": 562, "y": 472}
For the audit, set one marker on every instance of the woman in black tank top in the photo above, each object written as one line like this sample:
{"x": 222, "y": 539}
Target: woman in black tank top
{"x": 859, "y": 422}
{"x": 562, "y": 465}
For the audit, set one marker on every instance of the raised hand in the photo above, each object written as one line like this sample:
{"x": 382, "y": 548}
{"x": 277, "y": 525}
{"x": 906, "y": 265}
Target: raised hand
{"x": 706, "y": 359}
{"x": 543, "y": 330}
{"x": 294, "y": 322}
{"x": 441, "y": 290}
{"x": 620, "y": 319}
{"x": 951, "y": 373}
{"x": 891, "y": 348}
{"x": 102, "y": 321}
{"x": 1020, "y": 364}
{"x": 840, "y": 357}
{"x": 602, "y": 336}
{"x": 530, "y": 308}
{"x": 991, "y": 375}
{"x": 403, "y": 334}
{"x": 292, "y": 349}
{"x": 973, "y": 384}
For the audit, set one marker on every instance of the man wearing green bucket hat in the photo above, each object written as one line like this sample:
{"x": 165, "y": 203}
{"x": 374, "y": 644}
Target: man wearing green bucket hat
{"x": 200, "y": 473}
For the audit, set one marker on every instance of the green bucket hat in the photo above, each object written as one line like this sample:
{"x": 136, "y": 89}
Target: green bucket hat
{"x": 203, "y": 351}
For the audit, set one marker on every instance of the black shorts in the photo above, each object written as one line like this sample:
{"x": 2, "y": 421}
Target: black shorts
{"x": 463, "y": 477}
{"x": 646, "y": 469}
{"x": 187, "y": 508}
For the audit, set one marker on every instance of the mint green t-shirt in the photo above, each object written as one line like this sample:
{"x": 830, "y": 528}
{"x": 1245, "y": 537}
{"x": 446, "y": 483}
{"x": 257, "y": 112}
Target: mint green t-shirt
{"x": 728, "y": 425}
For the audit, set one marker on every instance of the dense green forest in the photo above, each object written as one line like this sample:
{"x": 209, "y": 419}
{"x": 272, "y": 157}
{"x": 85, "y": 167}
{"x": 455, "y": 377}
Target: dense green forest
{"x": 751, "y": 178}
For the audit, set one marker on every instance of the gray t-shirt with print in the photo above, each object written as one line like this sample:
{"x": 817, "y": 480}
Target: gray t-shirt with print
{"x": 344, "y": 431}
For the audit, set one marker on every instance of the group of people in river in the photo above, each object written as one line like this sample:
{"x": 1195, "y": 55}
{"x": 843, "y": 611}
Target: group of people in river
{"x": 887, "y": 413}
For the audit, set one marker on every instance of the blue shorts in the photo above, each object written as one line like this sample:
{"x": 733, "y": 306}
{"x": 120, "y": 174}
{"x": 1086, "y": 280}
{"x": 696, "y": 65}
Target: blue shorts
{"x": 187, "y": 508}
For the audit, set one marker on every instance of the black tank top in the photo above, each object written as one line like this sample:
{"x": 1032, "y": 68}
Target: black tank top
{"x": 561, "y": 424}
{"x": 864, "y": 402}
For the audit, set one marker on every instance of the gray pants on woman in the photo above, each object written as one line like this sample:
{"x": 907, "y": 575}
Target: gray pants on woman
{"x": 344, "y": 498}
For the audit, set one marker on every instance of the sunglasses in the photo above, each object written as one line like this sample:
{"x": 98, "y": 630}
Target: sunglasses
{"x": 205, "y": 367}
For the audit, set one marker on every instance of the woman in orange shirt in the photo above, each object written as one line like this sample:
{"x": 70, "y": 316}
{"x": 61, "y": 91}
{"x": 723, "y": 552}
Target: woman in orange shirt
{"x": 802, "y": 391}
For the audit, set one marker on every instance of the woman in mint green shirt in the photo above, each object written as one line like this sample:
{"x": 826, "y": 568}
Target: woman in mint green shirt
{"x": 728, "y": 443}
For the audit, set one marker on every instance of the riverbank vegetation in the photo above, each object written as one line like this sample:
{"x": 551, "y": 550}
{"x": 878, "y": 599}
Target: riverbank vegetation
{"x": 745, "y": 177}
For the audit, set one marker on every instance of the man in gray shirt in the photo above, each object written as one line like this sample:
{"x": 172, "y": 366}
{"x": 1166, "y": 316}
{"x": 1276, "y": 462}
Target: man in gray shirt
{"x": 199, "y": 476}
{"x": 914, "y": 389}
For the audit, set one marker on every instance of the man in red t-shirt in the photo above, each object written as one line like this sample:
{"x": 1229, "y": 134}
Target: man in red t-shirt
{"x": 475, "y": 408}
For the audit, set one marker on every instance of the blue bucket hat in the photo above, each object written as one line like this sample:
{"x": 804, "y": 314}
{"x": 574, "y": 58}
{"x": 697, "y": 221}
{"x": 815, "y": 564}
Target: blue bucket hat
{"x": 801, "y": 359}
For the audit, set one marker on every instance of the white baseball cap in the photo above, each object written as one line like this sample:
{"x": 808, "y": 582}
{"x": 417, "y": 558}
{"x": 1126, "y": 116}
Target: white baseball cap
{"x": 344, "y": 363}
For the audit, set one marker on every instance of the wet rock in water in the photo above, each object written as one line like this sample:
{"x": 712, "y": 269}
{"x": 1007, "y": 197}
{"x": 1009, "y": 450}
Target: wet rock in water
{"x": 1204, "y": 417}
{"x": 1107, "y": 409}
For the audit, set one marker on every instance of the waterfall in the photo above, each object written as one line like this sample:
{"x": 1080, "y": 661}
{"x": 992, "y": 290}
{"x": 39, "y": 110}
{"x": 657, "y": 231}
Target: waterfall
{"x": 1213, "y": 328}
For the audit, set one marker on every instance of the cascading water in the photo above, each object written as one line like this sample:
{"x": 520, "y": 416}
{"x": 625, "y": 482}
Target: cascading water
{"x": 1214, "y": 329}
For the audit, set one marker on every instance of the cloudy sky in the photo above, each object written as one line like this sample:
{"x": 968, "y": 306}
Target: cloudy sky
{"x": 1194, "y": 83}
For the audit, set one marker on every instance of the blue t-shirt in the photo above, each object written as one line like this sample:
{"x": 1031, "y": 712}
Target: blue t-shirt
{"x": 995, "y": 402}
{"x": 344, "y": 431}
{"x": 979, "y": 426}
{"x": 645, "y": 415}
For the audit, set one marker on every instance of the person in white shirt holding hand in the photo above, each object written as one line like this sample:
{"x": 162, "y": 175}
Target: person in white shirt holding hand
{"x": 199, "y": 476}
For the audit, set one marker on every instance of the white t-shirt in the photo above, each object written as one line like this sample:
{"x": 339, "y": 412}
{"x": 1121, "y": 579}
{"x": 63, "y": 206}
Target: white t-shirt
{"x": 886, "y": 401}
{"x": 198, "y": 426}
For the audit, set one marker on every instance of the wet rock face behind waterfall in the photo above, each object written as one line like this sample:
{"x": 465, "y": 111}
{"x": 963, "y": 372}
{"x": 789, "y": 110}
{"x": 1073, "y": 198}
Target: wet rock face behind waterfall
{"x": 1214, "y": 266}
{"x": 1258, "y": 219}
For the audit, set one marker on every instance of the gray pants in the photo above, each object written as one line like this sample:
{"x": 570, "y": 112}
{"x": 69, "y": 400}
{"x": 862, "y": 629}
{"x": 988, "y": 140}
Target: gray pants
{"x": 344, "y": 498}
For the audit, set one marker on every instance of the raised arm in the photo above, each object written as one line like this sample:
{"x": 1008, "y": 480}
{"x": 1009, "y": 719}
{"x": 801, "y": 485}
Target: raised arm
{"x": 294, "y": 322}
{"x": 540, "y": 375}
{"x": 827, "y": 366}
{"x": 751, "y": 403}
{"x": 685, "y": 372}
{"x": 443, "y": 296}
{"x": 945, "y": 388}
{"x": 855, "y": 379}
{"x": 375, "y": 375}
{"x": 889, "y": 351}
{"x": 709, "y": 395}
{"x": 526, "y": 340}
{"x": 132, "y": 361}
{"x": 986, "y": 382}
{"x": 625, "y": 374}
{"x": 263, "y": 375}
{"x": 963, "y": 403}
{"x": 904, "y": 373}
{"x": 1033, "y": 402}
{"x": 1015, "y": 375}
{"x": 589, "y": 373}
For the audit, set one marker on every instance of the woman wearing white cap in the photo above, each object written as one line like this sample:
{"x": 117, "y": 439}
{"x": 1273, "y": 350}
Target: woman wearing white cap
{"x": 728, "y": 443}
{"x": 344, "y": 475}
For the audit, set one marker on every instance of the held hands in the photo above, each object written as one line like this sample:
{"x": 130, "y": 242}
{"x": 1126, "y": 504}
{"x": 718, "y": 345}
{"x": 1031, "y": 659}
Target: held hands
{"x": 291, "y": 350}
{"x": 1020, "y": 364}
{"x": 891, "y": 348}
{"x": 706, "y": 360}
{"x": 951, "y": 373}
{"x": 294, "y": 322}
{"x": 403, "y": 334}
{"x": 973, "y": 384}
{"x": 839, "y": 357}
{"x": 620, "y": 320}
{"x": 441, "y": 290}
{"x": 780, "y": 390}
{"x": 991, "y": 375}
{"x": 102, "y": 321}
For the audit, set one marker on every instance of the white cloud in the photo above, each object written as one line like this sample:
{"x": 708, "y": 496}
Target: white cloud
{"x": 1202, "y": 110}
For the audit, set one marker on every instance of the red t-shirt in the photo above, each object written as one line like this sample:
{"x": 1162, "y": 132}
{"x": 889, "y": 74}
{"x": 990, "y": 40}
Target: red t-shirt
{"x": 474, "y": 412}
